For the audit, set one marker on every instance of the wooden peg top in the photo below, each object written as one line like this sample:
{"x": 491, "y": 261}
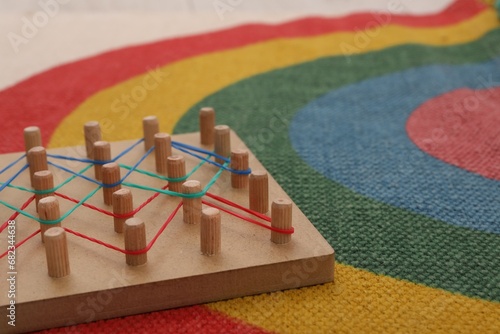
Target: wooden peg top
{"x": 222, "y": 129}
{"x": 281, "y": 217}
{"x": 258, "y": 173}
{"x": 55, "y": 233}
{"x": 207, "y": 123}
{"x": 37, "y": 150}
{"x": 210, "y": 232}
{"x": 101, "y": 151}
{"x": 110, "y": 173}
{"x": 122, "y": 192}
{"x": 135, "y": 239}
{"x": 102, "y": 144}
{"x": 31, "y": 129}
{"x": 91, "y": 124}
{"x": 134, "y": 222}
{"x": 282, "y": 201}
{"x": 150, "y": 119}
{"x": 222, "y": 142}
{"x": 206, "y": 110}
{"x": 150, "y": 127}
{"x": 32, "y": 137}
{"x": 163, "y": 149}
{"x": 43, "y": 180}
{"x": 92, "y": 133}
{"x": 191, "y": 206}
{"x": 239, "y": 161}
{"x": 56, "y": 250}
{"x": 173, "y": 162}
{"x": 122, "y": 202}
{"x": 259, "y": 191}
{"x": 48, "y": 208}
{"x": 176, "y": 168}
{"x": 162, "y": 135}
{"x": 191, "y": 186}
{"x": 210, "y": 212}
{"x": 43, "y": 174}
{"x": 37, "y": 160}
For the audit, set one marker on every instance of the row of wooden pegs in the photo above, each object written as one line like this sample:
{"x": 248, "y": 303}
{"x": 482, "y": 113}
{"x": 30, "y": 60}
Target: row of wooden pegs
{"x": 173, "y": 166}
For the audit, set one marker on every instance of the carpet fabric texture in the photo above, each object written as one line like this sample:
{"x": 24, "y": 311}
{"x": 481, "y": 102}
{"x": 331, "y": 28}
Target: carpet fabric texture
{"x": 382, "y": 129}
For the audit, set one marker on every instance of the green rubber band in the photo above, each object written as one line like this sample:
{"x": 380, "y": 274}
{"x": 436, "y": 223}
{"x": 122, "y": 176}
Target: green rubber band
{"x": 48, "y": 191}
{"x": 161, "y": 177}
{"x": 132, "y": 185}
{"x": 173, "y": 193}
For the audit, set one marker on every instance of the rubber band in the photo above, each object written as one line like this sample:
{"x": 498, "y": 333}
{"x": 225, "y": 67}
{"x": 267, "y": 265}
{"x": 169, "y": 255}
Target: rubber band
{"x": 50, "y": 222}
{"x": 234, "y": 205}
{"x": 12, "y": 164}
{"x": 13, "y": 177}
{"x": 48, "y": 191}
{"x": 16, "y": 214}
{"x": 109, "y": 213}
{"x": 75, "y": 173}
{"x": 100, "y": 183}
{"x": 131, "y": 169}
{"x": 127, "y": 150}
{"x": 177, "y": 144}
{"x": 124, "y": 251}
{"x": 165, "y": 178}
{"x": 215, "y": 163}
{"x": 20, "y": 243}
{"x": 177, "y": 194}
{"x": 290, "y": 231}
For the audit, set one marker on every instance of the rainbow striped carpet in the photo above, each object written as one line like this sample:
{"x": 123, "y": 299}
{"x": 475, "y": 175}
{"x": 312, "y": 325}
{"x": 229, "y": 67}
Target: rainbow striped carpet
{"x": 382, "y": 127}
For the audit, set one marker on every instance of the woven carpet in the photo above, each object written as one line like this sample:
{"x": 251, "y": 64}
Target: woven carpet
{"x": 383, "y": 128}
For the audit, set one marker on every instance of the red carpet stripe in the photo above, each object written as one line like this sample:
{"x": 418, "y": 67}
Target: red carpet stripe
{"x": 195, "y": 320}
{"x": 461, "y": 128}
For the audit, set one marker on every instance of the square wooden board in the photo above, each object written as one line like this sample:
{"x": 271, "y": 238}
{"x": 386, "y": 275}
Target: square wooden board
{"x": 101, "y": 285}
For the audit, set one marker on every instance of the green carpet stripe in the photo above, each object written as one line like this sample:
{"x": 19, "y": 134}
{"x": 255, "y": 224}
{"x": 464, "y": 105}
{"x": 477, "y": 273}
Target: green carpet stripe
{"x": 365, "y": 233}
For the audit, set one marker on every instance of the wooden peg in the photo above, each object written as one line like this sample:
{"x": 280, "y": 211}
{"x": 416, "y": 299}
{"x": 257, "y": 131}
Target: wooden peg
{"x": 281, "y": 217}
{"x": 176, "y": 168}
{"x": 37, "y": 159}
{"x": 48, "y": 209}
{"x": 56, "y": 250}
{"x": 122, "y": 205}
{"x": 163, "y": 149}
{"x": 135, "y": 239}
{"x": 110, "y": 175}
{"x": 207, "y": 124}
{"x": 42, "y": 180}
{"x": 210, "y": 235}
{"x": 101, "y": 152}
{"x": 259, "y": 191}
{"x": 92, "y": 133}
{"x": 191, "y": 207}
{"x": 222, "y": 142}
{"x": 32, "y": 137}
{"x": 239, "y": 161}
{"x": 150, "y": 127}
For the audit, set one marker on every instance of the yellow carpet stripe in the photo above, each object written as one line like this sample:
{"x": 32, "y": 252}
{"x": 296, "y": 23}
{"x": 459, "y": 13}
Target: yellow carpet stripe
{"x": 188, "y": 81}
{"x": 362, "y": 302}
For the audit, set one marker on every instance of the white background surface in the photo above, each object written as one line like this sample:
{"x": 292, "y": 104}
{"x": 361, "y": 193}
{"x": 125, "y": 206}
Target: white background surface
{"x": 82, "y": 28}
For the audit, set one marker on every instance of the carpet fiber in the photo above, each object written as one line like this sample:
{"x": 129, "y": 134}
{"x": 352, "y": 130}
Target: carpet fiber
{"x": 381, "y": 127}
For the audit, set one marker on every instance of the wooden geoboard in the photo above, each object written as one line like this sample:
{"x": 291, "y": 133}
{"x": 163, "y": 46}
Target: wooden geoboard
{"x": 101, "y": 285}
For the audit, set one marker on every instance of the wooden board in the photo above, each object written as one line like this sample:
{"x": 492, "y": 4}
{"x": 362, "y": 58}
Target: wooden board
{"x": 101, "y": 285}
